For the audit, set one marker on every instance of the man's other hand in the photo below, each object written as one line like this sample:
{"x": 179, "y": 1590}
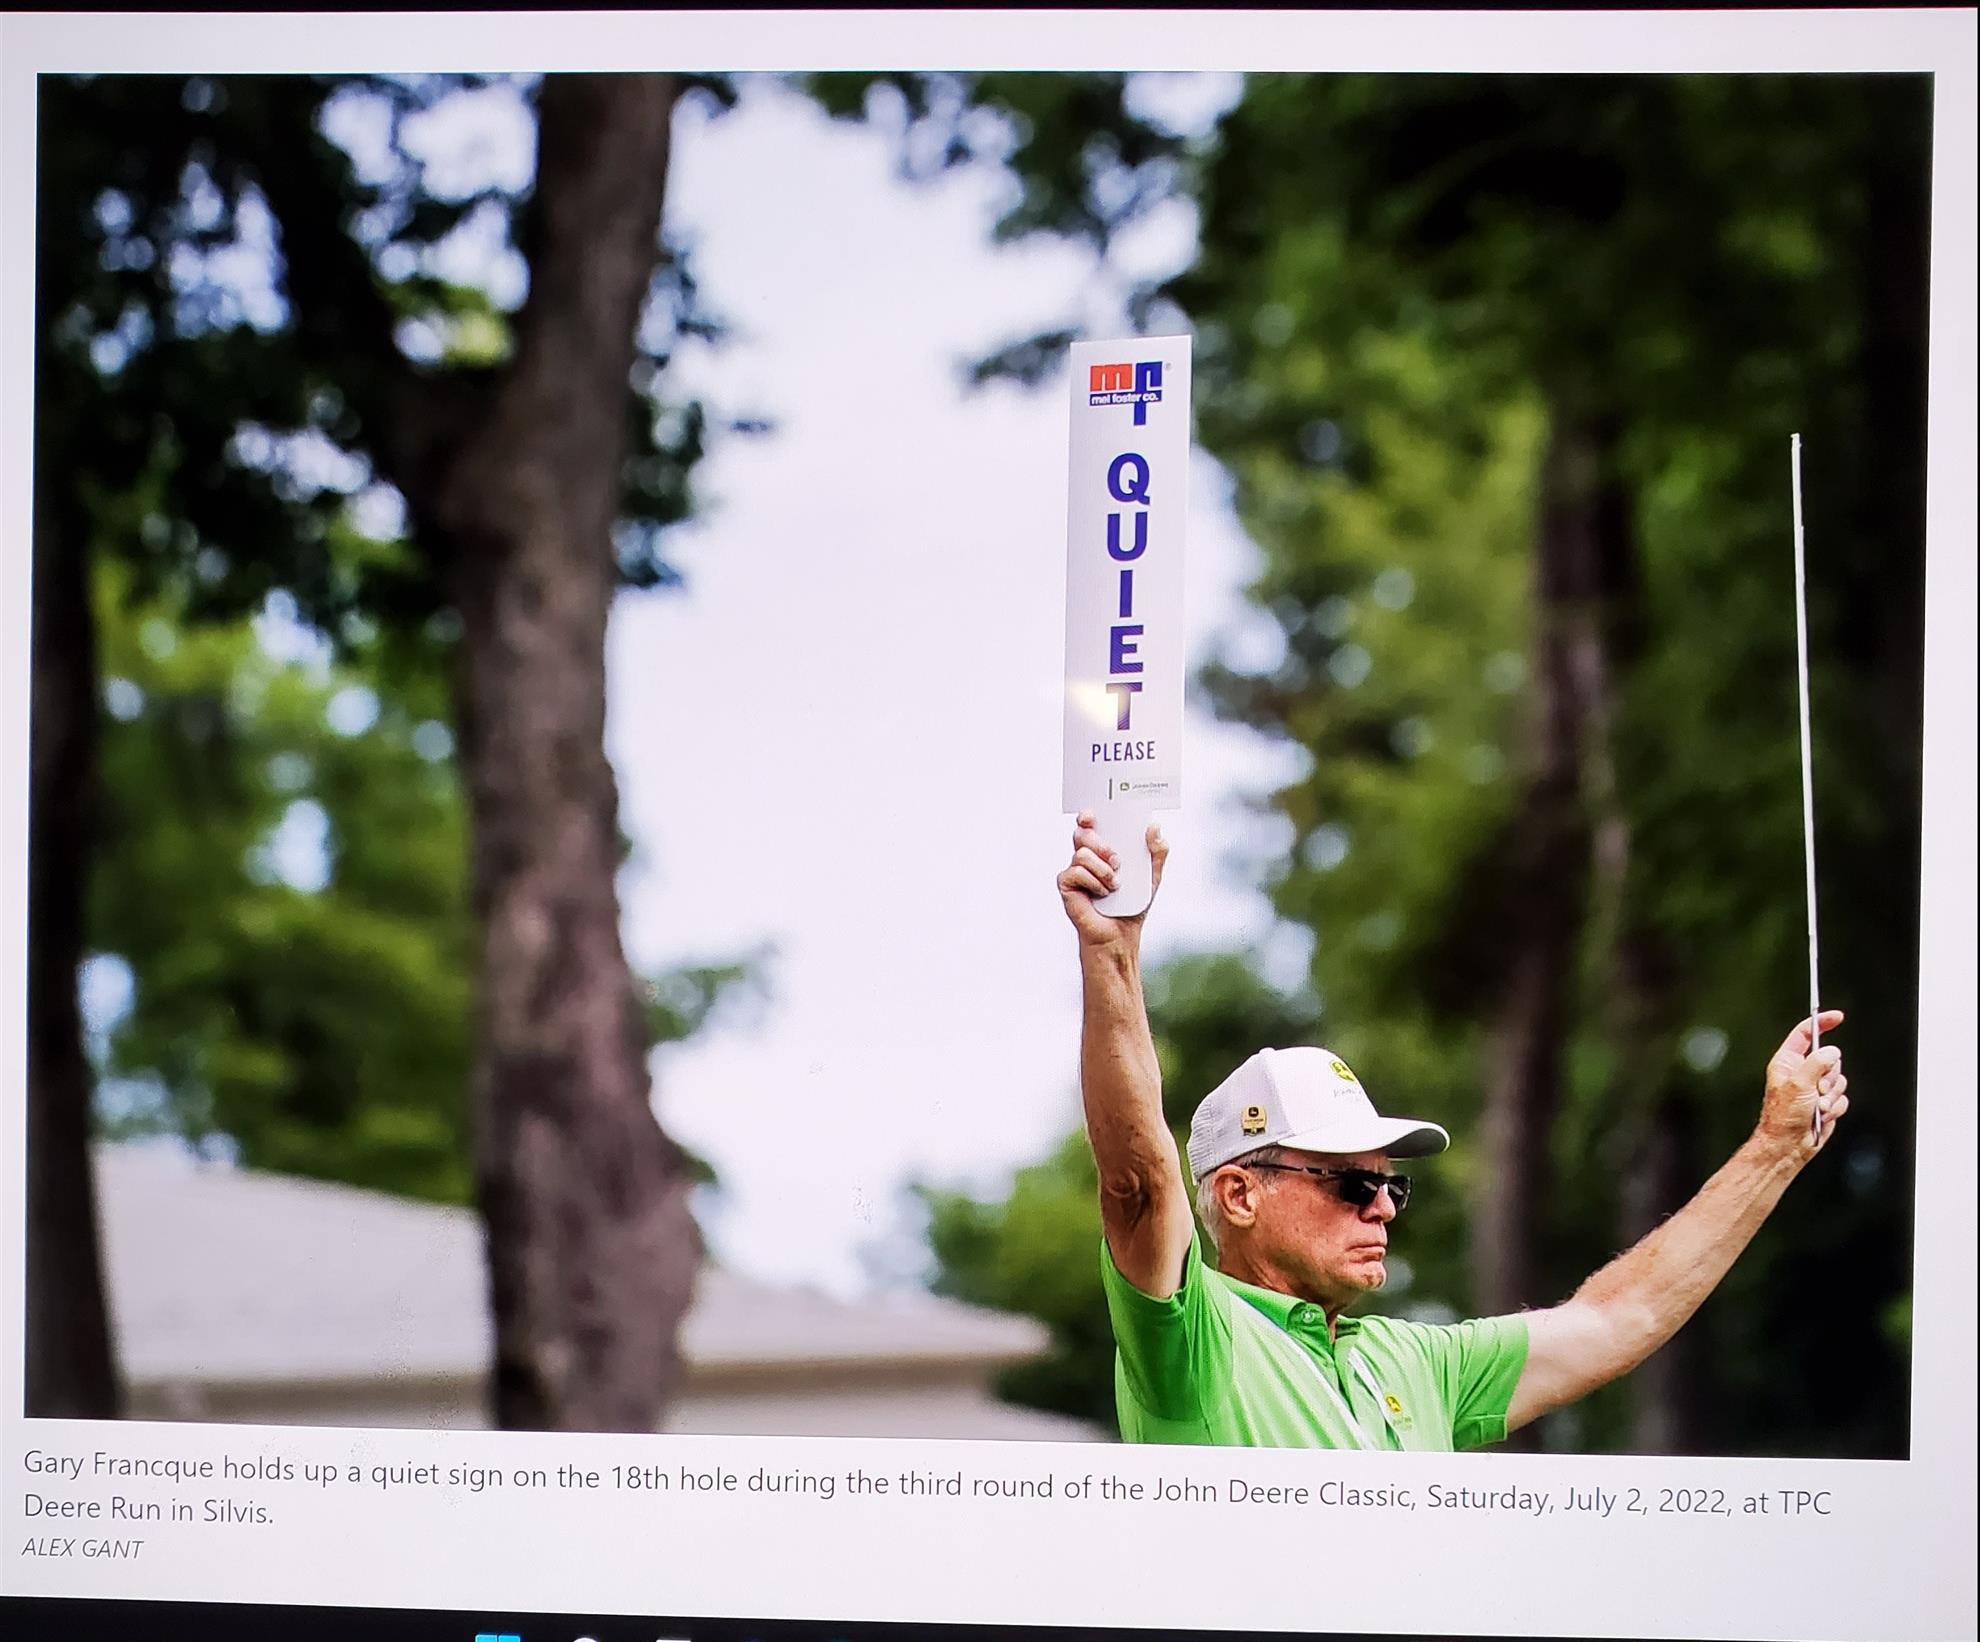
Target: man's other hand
{"x": 1091, "y": 874}
{"x": 1801, "y": 1081}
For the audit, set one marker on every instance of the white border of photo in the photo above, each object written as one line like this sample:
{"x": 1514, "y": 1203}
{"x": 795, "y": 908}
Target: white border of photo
{"x": 1892, "y": 1559}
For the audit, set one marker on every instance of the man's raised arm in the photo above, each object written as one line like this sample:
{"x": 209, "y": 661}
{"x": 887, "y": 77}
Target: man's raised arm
{"x": 1641, "y": 1298}
{"x": 1144, "y": 1203}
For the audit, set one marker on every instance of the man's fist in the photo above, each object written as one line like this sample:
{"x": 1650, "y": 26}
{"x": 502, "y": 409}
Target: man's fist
{"x": 1800, "y": 1083}
{"x": 1092, "y": 873}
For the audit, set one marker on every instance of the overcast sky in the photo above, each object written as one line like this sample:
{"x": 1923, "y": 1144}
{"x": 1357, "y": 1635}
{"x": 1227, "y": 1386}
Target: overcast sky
{"x": 843, "y": 737}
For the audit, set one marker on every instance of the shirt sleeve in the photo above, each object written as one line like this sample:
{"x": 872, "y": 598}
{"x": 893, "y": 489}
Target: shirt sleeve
{"x": 1478, "y": 1364}
{"x": 1175, "y": 1354}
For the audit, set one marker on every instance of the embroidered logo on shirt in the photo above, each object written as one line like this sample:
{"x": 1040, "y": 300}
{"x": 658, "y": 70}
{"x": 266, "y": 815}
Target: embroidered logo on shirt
{"x": 1393, "y": 1403}
{"x": 1341, "y": 1071}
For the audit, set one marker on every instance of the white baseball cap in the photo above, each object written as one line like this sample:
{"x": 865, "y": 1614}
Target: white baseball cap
{"x": 1305, "y": 1099}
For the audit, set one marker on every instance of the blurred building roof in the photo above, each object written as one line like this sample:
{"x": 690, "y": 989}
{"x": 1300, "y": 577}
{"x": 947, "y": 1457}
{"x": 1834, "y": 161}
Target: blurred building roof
{"x": 233, "y": 1287}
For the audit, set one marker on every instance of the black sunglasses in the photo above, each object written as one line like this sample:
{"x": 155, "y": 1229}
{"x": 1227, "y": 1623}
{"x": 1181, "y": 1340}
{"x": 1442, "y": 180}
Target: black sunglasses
{"x": 1354, "y": 1187}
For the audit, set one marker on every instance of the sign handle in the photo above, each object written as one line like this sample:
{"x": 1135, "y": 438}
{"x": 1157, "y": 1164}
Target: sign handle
{"x": 1125, "y": 829}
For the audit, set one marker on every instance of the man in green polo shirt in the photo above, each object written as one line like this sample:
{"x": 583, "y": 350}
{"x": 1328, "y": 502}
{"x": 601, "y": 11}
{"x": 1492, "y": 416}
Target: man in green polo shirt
{"x": 1291, "y": 1162}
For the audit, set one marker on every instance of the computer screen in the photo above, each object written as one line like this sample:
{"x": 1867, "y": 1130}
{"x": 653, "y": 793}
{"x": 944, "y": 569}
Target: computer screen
{"x": 984, "y": 824}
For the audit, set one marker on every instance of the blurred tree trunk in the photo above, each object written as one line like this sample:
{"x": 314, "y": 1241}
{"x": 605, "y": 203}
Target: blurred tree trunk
{"x": 1581, "y": 532}
{"x": 1660, "y": 1168}
{"x": 1659, "y": 1161}
{"x": 1570, "y": 894}
{"x": 1661, "y": 1176}
{"x": 71, "y": 1365}
{"x": 1659, "y": 1149}
{"x": 592, "y": 1249}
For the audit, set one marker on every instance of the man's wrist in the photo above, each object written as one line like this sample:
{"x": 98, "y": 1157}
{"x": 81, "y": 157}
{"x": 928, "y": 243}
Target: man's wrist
{"x": 1773, "y": 1153}
{"x": 1118, "y": 950}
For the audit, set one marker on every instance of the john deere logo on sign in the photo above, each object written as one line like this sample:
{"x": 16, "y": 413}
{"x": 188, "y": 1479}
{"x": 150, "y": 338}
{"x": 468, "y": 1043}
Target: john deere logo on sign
{"x": 1341, "y": 1071}
{"x": 1254, "y": 1120}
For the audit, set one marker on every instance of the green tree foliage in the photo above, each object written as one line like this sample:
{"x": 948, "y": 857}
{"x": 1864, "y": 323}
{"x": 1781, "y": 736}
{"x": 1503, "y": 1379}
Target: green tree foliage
{"x": 237, "y": 279}
{"x": 283, "y": 871}
{"x": 1078, "y": 162}
{"x": 283, "y": 875}
{"x": 1443, "y": 326}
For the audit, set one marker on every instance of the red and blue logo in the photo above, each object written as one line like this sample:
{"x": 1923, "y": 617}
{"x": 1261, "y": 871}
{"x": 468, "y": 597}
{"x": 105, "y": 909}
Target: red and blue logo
{"x": 1138, "y": 384}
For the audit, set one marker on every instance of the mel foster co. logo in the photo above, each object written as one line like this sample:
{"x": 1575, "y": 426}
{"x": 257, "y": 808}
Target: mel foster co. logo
{"x": 1139, "y": 385}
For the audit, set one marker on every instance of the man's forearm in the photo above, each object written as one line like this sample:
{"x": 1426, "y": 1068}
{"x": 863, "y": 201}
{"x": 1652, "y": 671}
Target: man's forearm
{"x": 1144, "y": 1209}
{"x": 1120, "y": 1079}
{"x": 1645, "y": 1294}
{"x": 1640, "y": 1299}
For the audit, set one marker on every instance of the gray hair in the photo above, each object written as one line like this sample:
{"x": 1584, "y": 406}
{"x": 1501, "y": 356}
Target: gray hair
{"x": 1208, "y": 1210}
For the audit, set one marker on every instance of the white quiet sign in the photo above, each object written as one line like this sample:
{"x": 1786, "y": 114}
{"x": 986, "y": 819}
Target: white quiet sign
{"x": 1126, "y": 506}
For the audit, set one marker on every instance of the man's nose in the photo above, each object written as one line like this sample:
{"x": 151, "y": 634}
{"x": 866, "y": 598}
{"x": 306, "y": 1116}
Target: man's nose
{"x": 1382, "y": 1207}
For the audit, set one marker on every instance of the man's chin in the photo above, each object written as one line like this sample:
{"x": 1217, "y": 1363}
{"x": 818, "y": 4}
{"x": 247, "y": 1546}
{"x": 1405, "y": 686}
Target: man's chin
{"x": 1371, "y": 1274}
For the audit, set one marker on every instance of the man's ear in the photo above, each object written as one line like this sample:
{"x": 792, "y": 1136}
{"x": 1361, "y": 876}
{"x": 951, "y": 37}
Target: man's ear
{"x": 1237, "y": 1196}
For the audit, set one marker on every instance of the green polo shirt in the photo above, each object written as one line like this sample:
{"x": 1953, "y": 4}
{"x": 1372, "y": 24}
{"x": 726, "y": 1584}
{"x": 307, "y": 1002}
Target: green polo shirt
{"x": 1222, "y": 1362}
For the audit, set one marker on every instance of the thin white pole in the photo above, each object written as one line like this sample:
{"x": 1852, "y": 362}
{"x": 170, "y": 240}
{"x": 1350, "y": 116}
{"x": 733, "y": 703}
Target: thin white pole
{"x": 1807, "y": 762}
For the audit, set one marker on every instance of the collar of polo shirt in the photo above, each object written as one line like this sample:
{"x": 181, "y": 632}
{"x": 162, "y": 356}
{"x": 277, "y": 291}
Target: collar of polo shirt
{"x": 1290, "y": 1312}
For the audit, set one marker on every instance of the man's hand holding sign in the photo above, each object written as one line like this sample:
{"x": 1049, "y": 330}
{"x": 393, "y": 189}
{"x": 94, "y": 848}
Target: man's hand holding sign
{"x": 1294, "y": 1167}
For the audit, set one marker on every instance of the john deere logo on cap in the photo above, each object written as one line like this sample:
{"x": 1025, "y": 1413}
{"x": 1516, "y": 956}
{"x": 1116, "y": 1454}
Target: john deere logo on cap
{"x": 1341, "y": 1071}
{"x": 1254, "y": 1120}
